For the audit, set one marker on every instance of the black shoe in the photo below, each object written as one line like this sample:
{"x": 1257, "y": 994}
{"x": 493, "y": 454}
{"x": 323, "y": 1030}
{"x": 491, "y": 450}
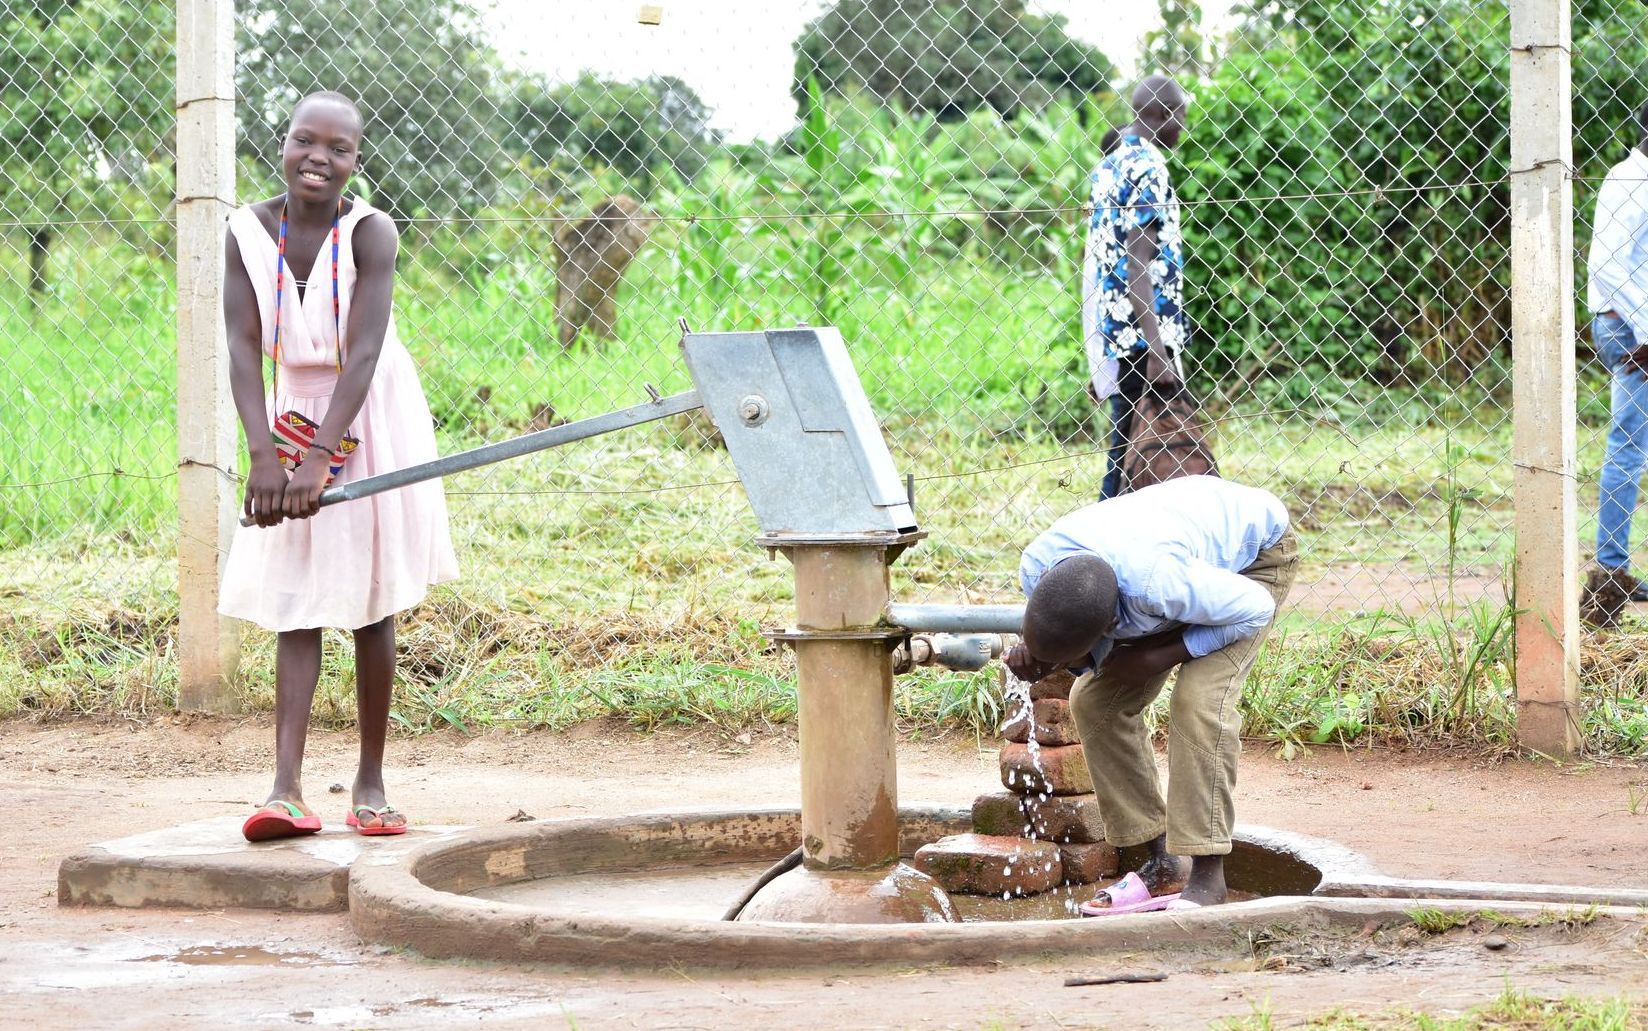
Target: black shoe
{"x": 1637, "y": 590}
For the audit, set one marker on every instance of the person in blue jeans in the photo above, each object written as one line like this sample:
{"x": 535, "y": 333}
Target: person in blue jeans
{"x": 1618, "y": 297}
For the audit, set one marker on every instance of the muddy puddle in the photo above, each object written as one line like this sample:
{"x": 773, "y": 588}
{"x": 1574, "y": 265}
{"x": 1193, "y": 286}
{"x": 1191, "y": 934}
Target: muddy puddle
{"x": 448, "y": 1009}
{"x": 235, "y": 956}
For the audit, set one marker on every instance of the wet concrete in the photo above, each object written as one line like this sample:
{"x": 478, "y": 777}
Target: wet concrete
{"x": 233, "y": 956}
{"x": 704, "y": 893}
{"x": 224, "y": 967}
{"x": 690, "y": 893}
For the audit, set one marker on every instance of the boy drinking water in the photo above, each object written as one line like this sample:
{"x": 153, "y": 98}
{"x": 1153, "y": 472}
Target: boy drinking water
{"x": 1185, "y": 575}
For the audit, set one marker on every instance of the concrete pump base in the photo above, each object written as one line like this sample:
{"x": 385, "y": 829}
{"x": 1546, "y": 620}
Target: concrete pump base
{"x": 208, "y": 865}
{"x": 422, "y": 900}
{"x": 899, "y": 894}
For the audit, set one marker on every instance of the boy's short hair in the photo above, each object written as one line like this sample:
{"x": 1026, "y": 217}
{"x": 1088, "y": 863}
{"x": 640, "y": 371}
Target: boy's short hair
{"x": 1071, "y": 608}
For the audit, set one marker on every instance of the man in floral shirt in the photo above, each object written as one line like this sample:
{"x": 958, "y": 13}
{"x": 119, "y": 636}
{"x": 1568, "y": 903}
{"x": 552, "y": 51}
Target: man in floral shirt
{"x": 1133, "y": 320}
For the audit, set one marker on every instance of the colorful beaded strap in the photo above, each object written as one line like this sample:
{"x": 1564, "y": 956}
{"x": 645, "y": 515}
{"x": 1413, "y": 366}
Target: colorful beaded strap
{"x": 280, "y": 291}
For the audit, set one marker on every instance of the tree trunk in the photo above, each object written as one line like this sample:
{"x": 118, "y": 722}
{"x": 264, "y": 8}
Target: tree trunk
{"x": 590, "y": 258}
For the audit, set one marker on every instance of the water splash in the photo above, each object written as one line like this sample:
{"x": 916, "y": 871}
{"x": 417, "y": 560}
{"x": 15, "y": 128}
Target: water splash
{"x": 1017, "y": 706}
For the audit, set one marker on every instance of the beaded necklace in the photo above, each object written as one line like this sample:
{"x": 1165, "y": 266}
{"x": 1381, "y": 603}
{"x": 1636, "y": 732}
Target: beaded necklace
{"x": 280, "y": 290}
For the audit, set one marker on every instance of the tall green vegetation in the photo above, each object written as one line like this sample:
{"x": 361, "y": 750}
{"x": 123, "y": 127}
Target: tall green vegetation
{"x": 1398, "y": 123}
{"x": 1402, "y": 106}
{"x": 1179, "y": 47}
{"x": 1345, "y": 166}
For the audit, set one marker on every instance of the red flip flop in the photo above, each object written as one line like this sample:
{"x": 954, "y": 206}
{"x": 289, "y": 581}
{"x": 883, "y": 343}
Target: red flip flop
{"x": 354, "y": 820}
{"x": 1128, "y": 895}
{"x": 269, "y": 824}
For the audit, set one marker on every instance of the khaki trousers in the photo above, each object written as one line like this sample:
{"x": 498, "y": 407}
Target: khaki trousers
{"x": 1203, "y": 741}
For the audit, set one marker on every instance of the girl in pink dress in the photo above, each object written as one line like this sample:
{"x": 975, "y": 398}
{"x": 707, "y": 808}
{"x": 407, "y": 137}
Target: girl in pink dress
{"x": 308, "y": 285}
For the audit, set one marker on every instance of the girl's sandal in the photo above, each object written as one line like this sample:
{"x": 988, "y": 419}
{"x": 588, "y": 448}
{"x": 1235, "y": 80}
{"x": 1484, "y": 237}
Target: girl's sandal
{"x": 278, "y": 818}
{"x": 372, "y": 825}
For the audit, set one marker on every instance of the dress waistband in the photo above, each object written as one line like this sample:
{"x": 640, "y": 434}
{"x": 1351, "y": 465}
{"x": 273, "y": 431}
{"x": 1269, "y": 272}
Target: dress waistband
{"x": 308, "y": 380}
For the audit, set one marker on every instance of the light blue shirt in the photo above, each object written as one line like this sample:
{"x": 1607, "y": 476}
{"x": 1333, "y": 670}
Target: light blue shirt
{"x": 1618, "y": 261}
{"x": 1178, "y": 549}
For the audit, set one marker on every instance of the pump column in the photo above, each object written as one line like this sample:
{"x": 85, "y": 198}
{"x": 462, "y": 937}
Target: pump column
{"x": 850, "y": 870}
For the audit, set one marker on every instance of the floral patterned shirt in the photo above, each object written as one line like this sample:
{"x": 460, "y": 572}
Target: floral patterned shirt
{"x": 1130, "y": 191}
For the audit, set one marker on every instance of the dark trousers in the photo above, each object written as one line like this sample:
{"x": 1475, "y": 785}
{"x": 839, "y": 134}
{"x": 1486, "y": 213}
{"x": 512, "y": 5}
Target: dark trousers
{"x": 1131, "y": 381}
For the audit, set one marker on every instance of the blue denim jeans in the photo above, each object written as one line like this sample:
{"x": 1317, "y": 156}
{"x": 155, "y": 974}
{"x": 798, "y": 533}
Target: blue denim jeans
{"x": 1627, "y": 437}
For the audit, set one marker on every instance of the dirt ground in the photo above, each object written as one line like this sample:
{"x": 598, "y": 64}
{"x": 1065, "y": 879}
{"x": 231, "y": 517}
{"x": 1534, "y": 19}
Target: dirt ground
{"x": 1413, "y": 815}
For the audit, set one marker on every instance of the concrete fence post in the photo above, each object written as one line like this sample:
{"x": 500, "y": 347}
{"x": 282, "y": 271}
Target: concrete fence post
{"x": 207, "y": 491}
{"x": 1542, "y": 344}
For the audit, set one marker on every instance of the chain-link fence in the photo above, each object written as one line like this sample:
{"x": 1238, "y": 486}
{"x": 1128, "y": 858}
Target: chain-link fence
{"x": 1343, "y": 186}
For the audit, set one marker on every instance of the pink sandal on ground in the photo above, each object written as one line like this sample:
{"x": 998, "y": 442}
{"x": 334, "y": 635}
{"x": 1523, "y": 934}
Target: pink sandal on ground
{"x": 1128, "y": 895}
{"x": 354, "y": 820}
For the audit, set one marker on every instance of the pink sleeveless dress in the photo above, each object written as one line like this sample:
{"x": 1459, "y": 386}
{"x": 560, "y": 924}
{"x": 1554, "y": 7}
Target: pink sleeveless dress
{"x": 355, "y": 562}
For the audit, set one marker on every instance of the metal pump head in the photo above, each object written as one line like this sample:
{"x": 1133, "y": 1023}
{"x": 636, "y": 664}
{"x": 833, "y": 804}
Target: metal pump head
{"x": 800, "y": 431}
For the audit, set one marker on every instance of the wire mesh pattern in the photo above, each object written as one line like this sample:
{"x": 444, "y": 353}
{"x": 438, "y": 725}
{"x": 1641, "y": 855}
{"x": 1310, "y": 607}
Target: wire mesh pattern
{"x": 1345, "y": 201}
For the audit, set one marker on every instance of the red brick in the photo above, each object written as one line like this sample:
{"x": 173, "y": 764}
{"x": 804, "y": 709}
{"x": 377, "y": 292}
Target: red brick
{"x": 1065, "y": 818}
{"x": 1017, "y": 728}
{"x": 1061, "y": 770}
{"x": 979, "y": 864}
{"x": 1055, "y": 724}
{"x": 1053, "y": 685}
{"x": 1084, "y": 864}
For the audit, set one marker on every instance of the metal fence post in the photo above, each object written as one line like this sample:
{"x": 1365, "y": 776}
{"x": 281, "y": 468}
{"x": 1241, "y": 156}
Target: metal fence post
{"x": 207, "y": 495}
{"x": 1542, "y": 336}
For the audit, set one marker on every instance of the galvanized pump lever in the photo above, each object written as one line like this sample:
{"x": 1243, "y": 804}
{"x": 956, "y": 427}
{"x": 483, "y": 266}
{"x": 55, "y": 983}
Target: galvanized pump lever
{"x": 530, "y": 443}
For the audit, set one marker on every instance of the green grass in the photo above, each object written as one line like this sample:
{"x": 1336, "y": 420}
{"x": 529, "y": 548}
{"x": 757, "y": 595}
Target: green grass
{"x": 640, "y": 541}
{"x": 1439, "y": 921}
{"x": 1512, "y": 1009}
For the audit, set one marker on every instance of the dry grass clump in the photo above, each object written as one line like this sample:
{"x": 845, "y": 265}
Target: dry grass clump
{"x": 116, "y": 662}
{"x": 1432, "y": 682}
{"x": 468, "y": 665}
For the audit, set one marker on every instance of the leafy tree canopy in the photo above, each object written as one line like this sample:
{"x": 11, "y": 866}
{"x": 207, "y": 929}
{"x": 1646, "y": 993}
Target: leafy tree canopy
{"x": 422, "y": 73}
{"x": 635, "y": 128}
{"x": 948, "y": 57}
{"x": 86, "y": 100}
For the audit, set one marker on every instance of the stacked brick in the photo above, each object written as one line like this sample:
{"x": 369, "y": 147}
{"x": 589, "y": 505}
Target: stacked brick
{"x": 1044, "y": 830}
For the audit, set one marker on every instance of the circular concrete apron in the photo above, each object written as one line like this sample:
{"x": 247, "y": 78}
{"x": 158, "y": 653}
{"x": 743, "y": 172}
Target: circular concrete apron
{"x": 423, "y": 900}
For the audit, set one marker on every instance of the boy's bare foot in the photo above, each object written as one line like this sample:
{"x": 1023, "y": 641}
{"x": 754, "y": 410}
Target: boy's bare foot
{"x": 1163, "y": 874}
{"x": 1206, "y": 884}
